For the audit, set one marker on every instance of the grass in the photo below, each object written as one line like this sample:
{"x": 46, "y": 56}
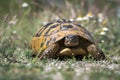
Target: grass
{"x": 61, "y": 70}
{"x": 16, "y": 63}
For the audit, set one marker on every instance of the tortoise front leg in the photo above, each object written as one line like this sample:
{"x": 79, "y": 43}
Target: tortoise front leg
{"x": 50, "y": 51}
{"x": 95, "y": 52}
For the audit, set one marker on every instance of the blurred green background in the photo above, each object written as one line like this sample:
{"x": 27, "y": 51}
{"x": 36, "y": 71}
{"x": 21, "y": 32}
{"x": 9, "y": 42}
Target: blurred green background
{"x": 101, "y": 18}
{"x": 20, "y": 19}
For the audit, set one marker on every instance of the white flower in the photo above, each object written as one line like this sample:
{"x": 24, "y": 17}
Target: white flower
{"x": 79, "y": 19}
{"x": 100, "y": 17}
{"x": 82, "y": 18}
{"x": 102, "y": 41}
{"x": 71, "y": 19}
{"x": 86, "y": 18}
{"x": 102, "y": 33}
{"x": 25, "y": 4}
{"x": 14, "y": 32}
{"x": 105, "y": 29}
{"x": 89, "y": 15}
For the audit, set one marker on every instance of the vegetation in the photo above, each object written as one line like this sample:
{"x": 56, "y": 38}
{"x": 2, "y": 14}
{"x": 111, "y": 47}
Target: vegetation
{"x": 20, "y": 19}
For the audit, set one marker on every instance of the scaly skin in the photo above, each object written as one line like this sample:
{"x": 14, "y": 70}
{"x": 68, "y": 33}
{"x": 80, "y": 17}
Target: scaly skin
{"x": 50, "y": 51}
{"x": 53, "y": 50}
{"x": 95, "y": 52}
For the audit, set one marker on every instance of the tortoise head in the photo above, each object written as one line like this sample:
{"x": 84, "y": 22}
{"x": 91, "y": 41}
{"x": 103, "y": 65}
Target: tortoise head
{"x": 71, "y": 40}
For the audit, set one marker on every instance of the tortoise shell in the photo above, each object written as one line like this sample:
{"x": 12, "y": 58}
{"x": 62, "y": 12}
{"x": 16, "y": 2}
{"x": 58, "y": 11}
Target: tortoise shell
{"x": 57, "y": 30}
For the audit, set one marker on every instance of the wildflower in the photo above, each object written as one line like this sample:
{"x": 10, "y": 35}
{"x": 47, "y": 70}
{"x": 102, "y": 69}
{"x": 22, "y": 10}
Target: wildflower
{"x": 102, "y": 33}
{"x": 90, "y": 15}
{"x": 105, "y": 29}
{"x": 14, "y": 32}
{"x": 71, "y": 19}
{"x": 25, "y": 5}
{"x": 82, "y": 18}
{"x": 86, "y": 18}
{"x": 100, "y": 20}
{"x": 100, "y": 17}
{"x": 79, "y": 19}
{"x": 102, "y": 41}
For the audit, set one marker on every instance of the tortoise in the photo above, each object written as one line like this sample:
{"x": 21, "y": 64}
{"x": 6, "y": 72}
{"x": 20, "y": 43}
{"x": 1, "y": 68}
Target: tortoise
{"x": 63, "y": 38}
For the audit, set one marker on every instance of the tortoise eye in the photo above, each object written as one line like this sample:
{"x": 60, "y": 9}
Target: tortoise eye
{"x": 66, "y": 27}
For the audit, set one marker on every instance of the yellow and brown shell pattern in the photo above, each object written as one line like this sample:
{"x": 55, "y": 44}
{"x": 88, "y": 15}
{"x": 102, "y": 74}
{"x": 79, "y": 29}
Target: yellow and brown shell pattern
{"x": 55, "y": 31}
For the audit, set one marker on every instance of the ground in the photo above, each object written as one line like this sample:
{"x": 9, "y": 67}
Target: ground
{"x": 16, "y": 63}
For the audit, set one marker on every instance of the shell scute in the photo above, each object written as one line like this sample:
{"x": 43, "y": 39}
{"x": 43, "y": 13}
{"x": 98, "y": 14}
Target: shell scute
{"x": 57, "y": 30}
